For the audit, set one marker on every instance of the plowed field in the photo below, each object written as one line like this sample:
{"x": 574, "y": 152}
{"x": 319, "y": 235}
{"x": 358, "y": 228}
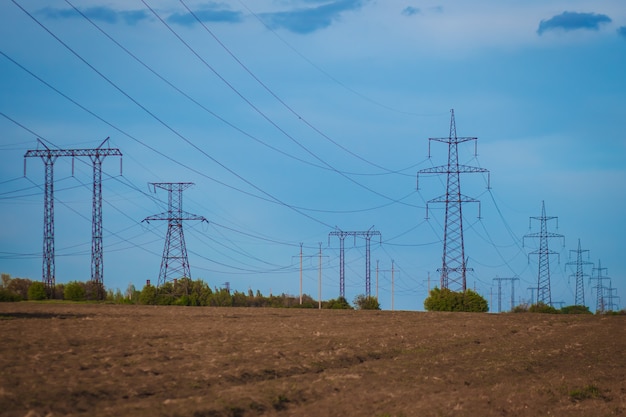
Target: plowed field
{"x": 111, "y": 360}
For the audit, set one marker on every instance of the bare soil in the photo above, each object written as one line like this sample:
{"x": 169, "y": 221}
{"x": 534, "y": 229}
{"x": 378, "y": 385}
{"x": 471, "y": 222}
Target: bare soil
{"x": 113, "y": 360}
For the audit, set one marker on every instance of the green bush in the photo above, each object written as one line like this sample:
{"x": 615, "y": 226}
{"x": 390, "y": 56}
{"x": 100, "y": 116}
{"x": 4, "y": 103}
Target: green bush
{"x": 74, "y": 291}
{"x": 446, "y": 300}
{"x": 361, "y": 302}
{"x": 8, "y": 296}
{"x": 339, "y": 303}
{"x": 37, "y": 291}
{"x": 575, "y": 310}
{"x": 542, "y": 308}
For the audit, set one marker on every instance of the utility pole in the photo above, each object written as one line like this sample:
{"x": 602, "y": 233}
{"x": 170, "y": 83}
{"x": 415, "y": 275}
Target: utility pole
{"x": 611, "y": 298}
{"x": 543, "y": 278}
{"x": 49, "y": 156}
{"x": 392, "y": 285}
{"x": 341, "y": 234}
{"x": 499, "y": 280}
{"x": 174, "y": 263}
{"x": 579, "y": 275}
{"x": 454, "y": 268}
{"x": 302, "y": 256}
{"x": 600, "y": 300}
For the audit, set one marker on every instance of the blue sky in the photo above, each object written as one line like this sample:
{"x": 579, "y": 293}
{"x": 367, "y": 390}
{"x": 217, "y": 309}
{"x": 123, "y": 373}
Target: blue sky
{"x": 296, "y": 117}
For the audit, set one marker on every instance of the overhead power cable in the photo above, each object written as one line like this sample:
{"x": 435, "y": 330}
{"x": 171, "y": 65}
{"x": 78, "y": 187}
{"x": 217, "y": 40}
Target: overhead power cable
{"x": 283, "y": 103}
{"x": 168, "y": 127}
{"x": 261, "y": 113}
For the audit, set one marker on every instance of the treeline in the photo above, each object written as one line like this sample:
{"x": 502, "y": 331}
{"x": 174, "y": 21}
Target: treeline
{"x": 182, "y": 292}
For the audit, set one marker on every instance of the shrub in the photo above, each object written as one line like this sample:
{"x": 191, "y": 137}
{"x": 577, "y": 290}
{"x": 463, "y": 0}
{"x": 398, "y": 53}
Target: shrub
{"x": 361, "y": 302}
{"x": 339, "y": 303}
{"x": 520, "y": 308}
{"x": 37, "y": 291}
{"x": 446, "y": 300}
{"x": 74, "y": 291}
{"x": 575, "y": 310}
{"x": 8, "y": 296}
{"x": 541, "y": 307}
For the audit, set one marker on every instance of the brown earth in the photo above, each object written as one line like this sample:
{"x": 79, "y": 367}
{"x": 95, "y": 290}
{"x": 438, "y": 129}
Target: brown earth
{"x": 112, "y": 360}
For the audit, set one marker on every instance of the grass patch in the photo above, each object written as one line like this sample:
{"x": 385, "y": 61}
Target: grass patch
{"x": 588, "y": 392}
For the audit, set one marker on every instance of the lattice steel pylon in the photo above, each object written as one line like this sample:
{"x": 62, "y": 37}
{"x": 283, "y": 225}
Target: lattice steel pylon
{"x": 543, "y": 278}
{"x": 49, "y": 156}
{"x": 174, "y": 263}
{"x": 342, "y": 234}
{"x": 600, "y": 299}
{"x": 454, "y": 268}
{"x": 579, "y": 275}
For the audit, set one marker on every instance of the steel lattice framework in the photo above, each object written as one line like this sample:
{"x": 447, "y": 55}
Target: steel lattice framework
{"x": 499, "y": 280}
{"x": 453, "y": 269}
{"x": 601, "y": 304}
{"x": 579, "y": 275}
{"x": 342, "y": 234}
{"x": 543, "y": 253}
{"x": 49, "y": 156}
{"x": 174, "y": 263}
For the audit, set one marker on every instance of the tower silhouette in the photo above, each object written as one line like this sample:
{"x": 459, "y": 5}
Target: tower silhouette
{"x": 579, "y": 275}
{"x": 174, "y": 263}
{"x": 601, "y": 304}
{"x": 543, "y": 277}
{"x": 49, "y": 156}
{"x": 453, "y": 269}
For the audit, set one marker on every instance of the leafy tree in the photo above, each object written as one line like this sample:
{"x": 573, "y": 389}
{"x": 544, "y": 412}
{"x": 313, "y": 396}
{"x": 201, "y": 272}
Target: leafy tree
{"x": 19, "y": 286}
{"x": 148, "y": 295}
{"x": 74, "y": 291}
{"x": 446, "y": 300}
{"x": 362, "y": 302}
{"x": 94, "y": 290}
{"x": 37, "y": 291}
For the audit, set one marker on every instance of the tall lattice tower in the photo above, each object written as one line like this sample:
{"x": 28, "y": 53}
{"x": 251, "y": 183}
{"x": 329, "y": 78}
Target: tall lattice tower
{"x": 579, "y": 275}
{"x": 174, "y": 263}
{"x": 601, "y": 304}
{"x": 543, "y": 277}
{"x": 49, "y": 156}
{"x": 453, "y": 269}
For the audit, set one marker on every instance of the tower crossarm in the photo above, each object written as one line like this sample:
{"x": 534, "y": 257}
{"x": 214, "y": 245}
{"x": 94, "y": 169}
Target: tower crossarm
{"x": 167, "y": 217}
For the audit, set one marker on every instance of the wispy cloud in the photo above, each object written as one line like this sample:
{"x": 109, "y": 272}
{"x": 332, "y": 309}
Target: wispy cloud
{"x": 212, "y": 12}
{"x": 100, "y": 13}
{"x": 572, "y": 21}
{"x": 311, "y": 19}
{"x": 622, "y": 31}
{"x": 410, "y": 11}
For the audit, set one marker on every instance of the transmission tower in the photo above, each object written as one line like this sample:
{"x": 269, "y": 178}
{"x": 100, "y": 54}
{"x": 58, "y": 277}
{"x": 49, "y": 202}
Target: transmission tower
{"x": 49, "y": 156}
{"x": 579, "y": 275}
{"x": 174, "y": 263}
{"x": 499, "y": 280}
{"x": 601, "y": 304}
{"x": 341, "y": 234}
{"x": 611, "y": 298}
{"x": 453, "y": 269}
{"x": 543, "y": 279}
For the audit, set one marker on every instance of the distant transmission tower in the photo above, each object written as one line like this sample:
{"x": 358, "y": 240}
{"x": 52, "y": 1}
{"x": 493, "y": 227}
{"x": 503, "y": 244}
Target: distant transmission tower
{"x": 579, "y": 275}
{"x": 601, "y": 304}
{"x": 341, "y": 234}
{"x": 499, "y": 280}
{"x": 49, "y": 156}
{"x": 543, "y": 279}
{"x": 453, "y": 269}
{"x": 174, "y": 263}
